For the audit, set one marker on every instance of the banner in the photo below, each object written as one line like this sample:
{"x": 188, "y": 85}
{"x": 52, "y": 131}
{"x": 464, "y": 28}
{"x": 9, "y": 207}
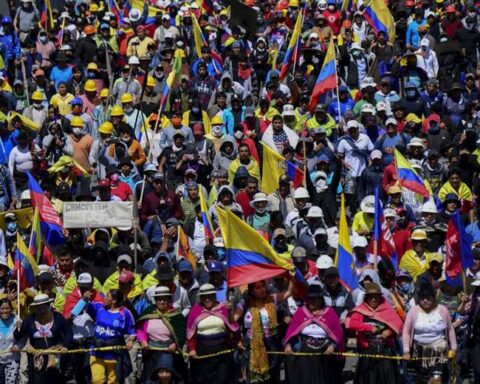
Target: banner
{"x": 97, "y": 214}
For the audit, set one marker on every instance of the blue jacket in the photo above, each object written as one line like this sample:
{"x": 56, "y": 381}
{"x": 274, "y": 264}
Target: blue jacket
{"x": 10, "y": 47}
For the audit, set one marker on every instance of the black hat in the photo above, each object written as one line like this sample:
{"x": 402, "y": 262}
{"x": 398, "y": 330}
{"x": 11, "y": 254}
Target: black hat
{"x": 164, "y": 272}
{"x": 314, "y": 291}
{"x": 332, "y": 271}
{"x": 110, "y": 169}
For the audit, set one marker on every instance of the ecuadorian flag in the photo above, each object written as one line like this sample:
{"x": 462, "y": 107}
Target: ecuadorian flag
{"x": 250, "y": 258}
{"x": 327, "y": 78}
{"x": 408, "y": 177}
{"x": 207, "y": 223}
{"x": 380, "y": 18}
{"x": 24, "y": 265}
{"x": 344, "y": 258}
{"x": 293, "y": 45}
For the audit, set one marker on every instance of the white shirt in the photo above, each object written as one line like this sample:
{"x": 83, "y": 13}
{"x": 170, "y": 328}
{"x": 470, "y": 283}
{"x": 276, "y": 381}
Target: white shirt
{"x": 356, "y": 161}
{"x": 429, "y": 327}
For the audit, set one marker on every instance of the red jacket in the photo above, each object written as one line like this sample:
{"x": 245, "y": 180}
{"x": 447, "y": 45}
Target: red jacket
{"x": 244, "y": 200}
{"x": 75, "y": 297}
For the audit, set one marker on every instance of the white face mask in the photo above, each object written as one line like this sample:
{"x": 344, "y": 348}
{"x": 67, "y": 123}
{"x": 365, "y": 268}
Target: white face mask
{"x": 128, "y": 109}
{"x": 260, "y": 210}
{"x": 217, "y": 130}
{"x": 37, "y": 105}
{"x": 238, "y": 134}
{"x": 77, "y": 131}
{"x": 43, "y": 39}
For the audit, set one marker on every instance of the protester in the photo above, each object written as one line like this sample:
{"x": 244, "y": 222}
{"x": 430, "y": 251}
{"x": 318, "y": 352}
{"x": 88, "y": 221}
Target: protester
{"x": 338, "y": 141}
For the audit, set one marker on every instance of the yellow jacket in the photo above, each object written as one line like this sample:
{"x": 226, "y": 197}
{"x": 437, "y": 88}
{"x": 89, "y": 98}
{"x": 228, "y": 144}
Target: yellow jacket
{"x": 328, "y": 126}
{"x": 207, "y": 126}
{"x": 112, "y": 282}
{"x": 252, "y": 168}
{"x": 413, "y": 265}
{"x": 63, "y": 103}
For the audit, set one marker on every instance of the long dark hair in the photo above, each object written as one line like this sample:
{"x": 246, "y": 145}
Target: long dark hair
{"x": 118, "y": 297}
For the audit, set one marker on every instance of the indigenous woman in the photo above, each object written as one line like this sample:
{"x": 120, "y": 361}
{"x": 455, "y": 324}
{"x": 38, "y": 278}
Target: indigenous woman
{"x": 10, "y": 362}
{"x": 163, "y": 327}
{"x": 44, "y": 329}
{"x": 314, "y": 328}
{"x": 429, "y": 334}
{"x": 261, "y": 332}
{"x": 209, "y": 331}
{"x": 377, "y": 324}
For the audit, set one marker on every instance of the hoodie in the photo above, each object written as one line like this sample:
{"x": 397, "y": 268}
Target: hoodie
{"x": 222, "y": 160}
{"x": 359, "y": 293}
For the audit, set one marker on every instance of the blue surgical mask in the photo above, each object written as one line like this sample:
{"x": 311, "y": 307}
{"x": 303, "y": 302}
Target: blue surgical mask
{"x": 411, "y": 93}
{"x": 195, "y": 110}
{"x": 221, "y": 254}
{"x": 405, "y": 288}
{"x": 12, "y": 227}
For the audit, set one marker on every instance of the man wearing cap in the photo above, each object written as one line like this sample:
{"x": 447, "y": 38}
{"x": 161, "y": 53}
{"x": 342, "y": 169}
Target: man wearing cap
{"x": 415, "y": 261}
{"x": 137, "y": 46}
{"x": 335, "y": 294}
{"x": 78, "y": 110}
{"x": 160, "y": 195}
{"x": 217, "y": 279}
{"x": 363, "y": 259}
{"x": 395, "y": 201}
{"x": 321, "y": 119}
{"x": 280, "y": 243}
{"x": 314, "y": 221}
{"x": 389, "y": 140}
{"x": 124, "y": 264}
{"x": 127, "y": 83}
{"x": 246, "y": 161}
{"x": 187, "y": 281}
{"x": 282, "y": 199}
{"x": 353, "y": 150}
{"x": 371, "y": 176}
{"x": 105, "y": 191}
{"x": 46, "y": 285}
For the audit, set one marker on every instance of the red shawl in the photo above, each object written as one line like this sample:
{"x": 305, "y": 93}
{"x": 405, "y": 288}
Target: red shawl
{"x": 198, "y": 313}
{"x": 383, "y": 314}
{"x": 327, "y": 319}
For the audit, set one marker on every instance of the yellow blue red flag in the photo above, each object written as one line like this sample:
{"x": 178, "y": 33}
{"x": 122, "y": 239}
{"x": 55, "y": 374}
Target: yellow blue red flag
{"x": 380, "y": 18}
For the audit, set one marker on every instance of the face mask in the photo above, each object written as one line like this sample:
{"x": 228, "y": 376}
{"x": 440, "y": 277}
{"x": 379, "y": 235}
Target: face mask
{"x": 176, "y": 121}
{"x": 405, "y": 288}
{"x": 37, "y": 105}
{"x": 12, "y": 227}
{"x": 217, "y": 130}
{"x": 91, "y": 75}
{"x": 128, "y": 109}
{"x": 195, "y": 109}
{"x": 411, "y": 93}
{"x": 331, "y": 7}
{"x": 159, "y": 75}
{"x": 43, "y": 39}
{"x": 261, "y": 210}
{"x": 221, "y": 253}
{"x": 281, "y": 246}
{"x": 77, "y": 131}
{"x": 472, "y": 15}
{"x": 238, "y": 134}
{"x": 126, "y": 139}
{"x": 356, "y": 53}
{"x": 114, "y": 177}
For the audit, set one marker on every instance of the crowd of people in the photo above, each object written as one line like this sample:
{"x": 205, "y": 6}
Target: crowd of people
{"x": 89, "y": 109}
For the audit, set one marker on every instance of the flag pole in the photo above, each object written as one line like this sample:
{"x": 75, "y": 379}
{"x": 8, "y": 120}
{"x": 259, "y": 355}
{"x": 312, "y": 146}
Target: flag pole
{"x": 304, "y": 162}
{"x": 337, "y": 91}
{"x": 18, "y": 292}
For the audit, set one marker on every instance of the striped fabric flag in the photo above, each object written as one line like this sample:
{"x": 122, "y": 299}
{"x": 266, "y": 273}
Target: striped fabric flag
{"x": 207, "y": 223}
{"x": 293, "y": 46}
{"x": 274, "y": 165}
{"x": 458, "y": 248}
{"x": 35, "y": 246}
{"x": 207, "y": 5}
{"x": 183, "y": 249}
{"x": 177, "y": 65}
{"x": 382, "y": 235}
{"x": 327, "y": 78}
{"x": 50, "y": 223}
{"x": 198, "y": 38}
{"x": 24, "y": 265}
{"x": 344, "y": 258}
{"x": 408, "y": 177}
{"x": 380, "y": 18}
{"x": 250, "y": 258}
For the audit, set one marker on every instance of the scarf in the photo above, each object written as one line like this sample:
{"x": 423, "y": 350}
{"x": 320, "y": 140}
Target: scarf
{"x": 244, "y": 74}
{"x": 259, "y": 365}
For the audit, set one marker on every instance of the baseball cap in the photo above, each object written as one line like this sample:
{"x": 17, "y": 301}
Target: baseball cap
{"x": 215, "y": 266}
{"x": 104, "y": 183}
{"x": 359, "y": 241}
{"x": 125, "y": 258}
{"x": 391, "y": 120}
{"x": 126, "y": 277}
{"x": 324, "y": 262}
{"x": 85, "y": 280}
{"x": 76, "y": 101}
{"x": 376, "y": 154}
{"x": 279, "y": 232}
{"x": 184, "y": 266}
